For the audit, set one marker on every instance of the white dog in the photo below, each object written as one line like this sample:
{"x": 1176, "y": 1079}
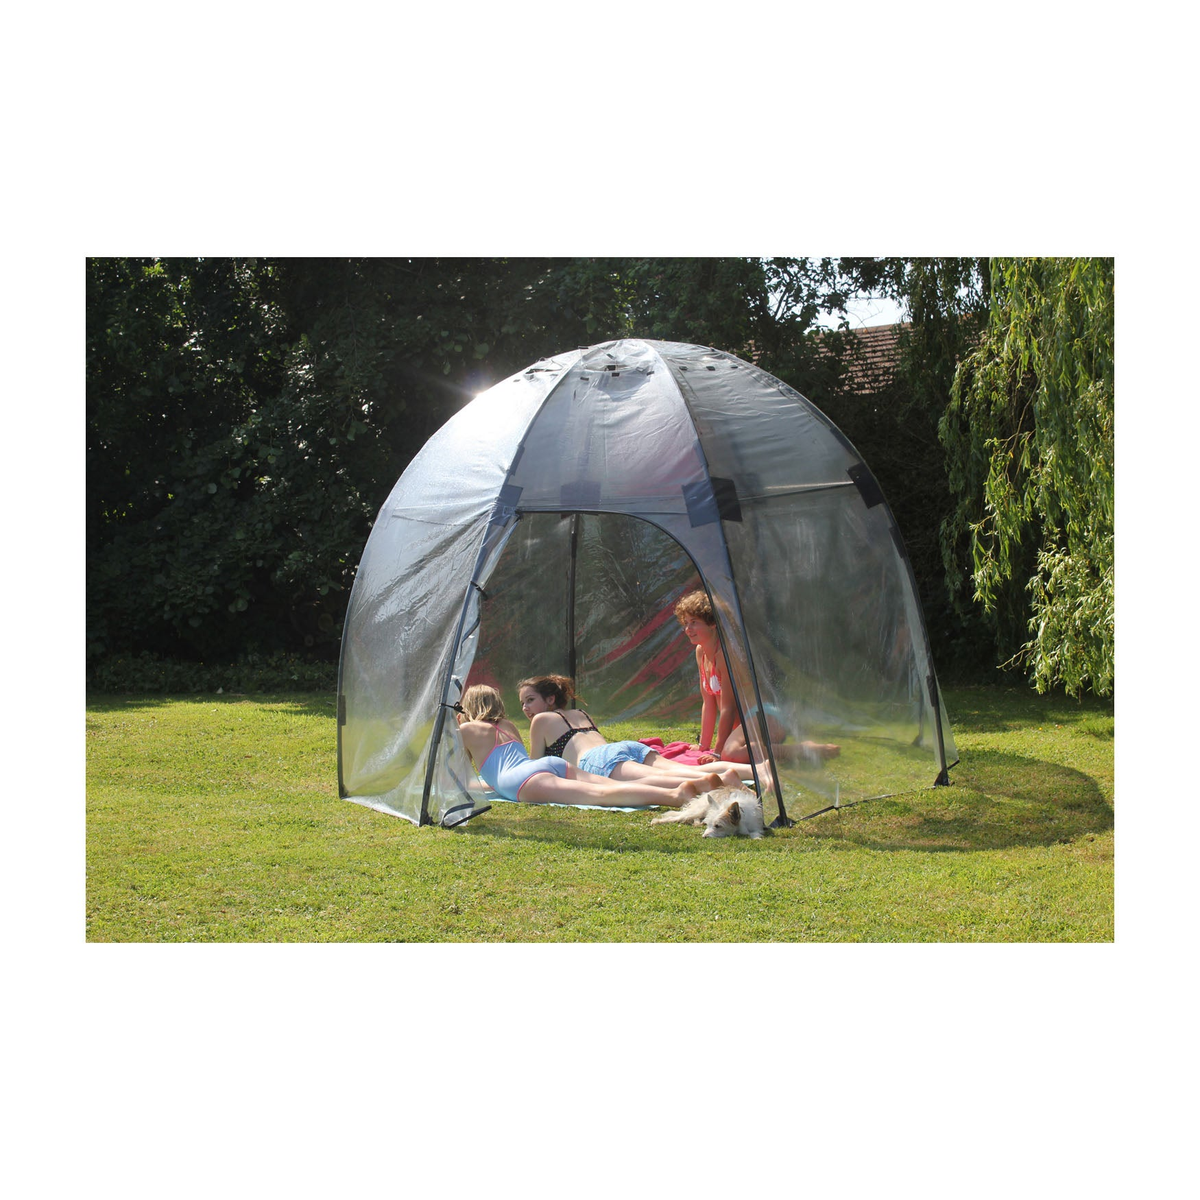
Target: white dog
{"x": 724, "y": 812}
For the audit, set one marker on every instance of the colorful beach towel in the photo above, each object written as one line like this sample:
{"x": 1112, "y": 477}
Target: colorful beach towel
{"x": 679, "y": 751}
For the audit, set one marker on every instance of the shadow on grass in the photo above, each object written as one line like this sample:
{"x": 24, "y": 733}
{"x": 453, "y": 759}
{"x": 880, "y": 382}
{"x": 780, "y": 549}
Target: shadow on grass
{"x": 995, "y": 709}
{"x": 317, "y": 703}
{"x": 616, "y": 832}
{"x": 997, "y": 801}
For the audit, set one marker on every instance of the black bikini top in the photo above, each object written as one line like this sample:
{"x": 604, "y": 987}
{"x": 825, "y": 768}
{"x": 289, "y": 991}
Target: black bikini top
{"x": 555, "y": 749}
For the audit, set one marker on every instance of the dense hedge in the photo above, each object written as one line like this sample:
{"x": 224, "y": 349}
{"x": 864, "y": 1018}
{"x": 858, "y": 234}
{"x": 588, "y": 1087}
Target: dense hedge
{"x": 147, "y": 673}
{"x": 246, "y": 418}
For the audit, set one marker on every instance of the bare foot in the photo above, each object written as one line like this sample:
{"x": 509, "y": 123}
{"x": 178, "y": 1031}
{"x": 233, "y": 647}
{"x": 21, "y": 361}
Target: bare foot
{"x": 731, "y": 779}
{"x": 766, "y": 779}
{"x": 686, "y": 791}
{"x": 821, "y": 750}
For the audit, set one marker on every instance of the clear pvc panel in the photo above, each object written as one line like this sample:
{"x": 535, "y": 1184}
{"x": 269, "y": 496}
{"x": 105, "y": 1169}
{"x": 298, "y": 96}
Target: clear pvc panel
{"x": 833, "y": 626}
{"x": 630, "y": 661}
{"x": 634, "y": 663}
{"x": 834, "y": 657}
{"x": 403, "y": 621}
{"x": 525, "y": 610}
{"x": 614, "y": 436}
{"x": 400, "y": 630}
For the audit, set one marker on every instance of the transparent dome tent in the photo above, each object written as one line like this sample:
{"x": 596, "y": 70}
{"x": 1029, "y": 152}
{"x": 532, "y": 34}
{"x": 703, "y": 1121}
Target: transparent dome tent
{"x": 551, "y": 525}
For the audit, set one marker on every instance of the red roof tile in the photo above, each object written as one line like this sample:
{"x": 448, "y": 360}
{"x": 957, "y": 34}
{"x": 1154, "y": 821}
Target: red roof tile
{"x": 873, "y": 366}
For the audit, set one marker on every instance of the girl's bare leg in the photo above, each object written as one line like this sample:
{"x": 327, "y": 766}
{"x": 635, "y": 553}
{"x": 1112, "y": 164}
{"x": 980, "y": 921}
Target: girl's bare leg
{"x": 581, "y": 788}
{"x": 667, "y": 777}
{"x": 735, "y": 750}
{"x": 805, "y": 752}
{"x": 632, "y": 772}
{"x": 719, "y": 767}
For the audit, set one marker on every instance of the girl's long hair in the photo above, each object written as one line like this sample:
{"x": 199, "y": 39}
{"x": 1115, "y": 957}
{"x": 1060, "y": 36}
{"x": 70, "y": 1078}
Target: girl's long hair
{"x": 559, "y": 688}
{"x": 482, "y": 703}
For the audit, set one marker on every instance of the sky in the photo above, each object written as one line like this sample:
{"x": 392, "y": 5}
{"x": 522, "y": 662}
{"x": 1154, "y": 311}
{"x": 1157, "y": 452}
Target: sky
{"x": 864, "y": 313}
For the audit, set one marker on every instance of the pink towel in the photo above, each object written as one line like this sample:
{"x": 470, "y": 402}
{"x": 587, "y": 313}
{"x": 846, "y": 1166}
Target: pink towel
{"x": 679, "y": 751}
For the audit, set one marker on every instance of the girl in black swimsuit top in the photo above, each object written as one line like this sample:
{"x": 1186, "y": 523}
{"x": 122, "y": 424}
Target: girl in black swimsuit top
{"x": 544, "y": 695}
{"x": 556, "y": 747}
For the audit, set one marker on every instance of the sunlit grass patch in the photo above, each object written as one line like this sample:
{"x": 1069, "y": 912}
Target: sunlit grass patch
{"x": 217, "y": 819}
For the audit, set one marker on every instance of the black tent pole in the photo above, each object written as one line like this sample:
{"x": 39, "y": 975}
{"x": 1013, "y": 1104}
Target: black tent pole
{"x": 571, "y": 662}
{"x": 439, "y": 721}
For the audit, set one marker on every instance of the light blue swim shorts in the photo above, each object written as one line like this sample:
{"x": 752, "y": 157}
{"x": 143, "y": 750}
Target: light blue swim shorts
{"x": 602, "y": 759}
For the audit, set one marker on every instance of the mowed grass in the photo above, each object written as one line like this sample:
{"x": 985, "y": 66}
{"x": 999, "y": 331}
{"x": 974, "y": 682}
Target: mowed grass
{"x": 217, "y": 819}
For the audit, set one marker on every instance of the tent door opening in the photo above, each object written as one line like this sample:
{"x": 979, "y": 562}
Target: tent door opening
{"x": 590, "y": 596}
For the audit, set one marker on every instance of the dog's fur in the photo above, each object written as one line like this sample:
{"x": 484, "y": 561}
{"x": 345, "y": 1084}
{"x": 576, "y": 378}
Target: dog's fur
{"x": 724, "y": 812}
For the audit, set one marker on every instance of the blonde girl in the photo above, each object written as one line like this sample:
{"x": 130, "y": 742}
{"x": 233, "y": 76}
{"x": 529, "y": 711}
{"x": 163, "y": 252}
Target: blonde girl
{"x": 495, "y": 747}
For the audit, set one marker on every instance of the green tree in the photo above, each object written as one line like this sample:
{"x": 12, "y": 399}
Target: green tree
{"x": 178, "y": 353}
{"x": 947, "y": 303}
{"x": 1029, "y": 442}
{"x": 890, "y": 412}
{"x": 247, "y": 417}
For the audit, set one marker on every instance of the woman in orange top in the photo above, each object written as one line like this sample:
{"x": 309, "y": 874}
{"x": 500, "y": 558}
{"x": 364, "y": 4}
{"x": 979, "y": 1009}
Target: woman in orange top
{"x": 720, "y": 732}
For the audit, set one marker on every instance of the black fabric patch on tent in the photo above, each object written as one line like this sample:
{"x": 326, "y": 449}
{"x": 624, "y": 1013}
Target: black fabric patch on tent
{"x": 580, "y": 494}
{"x": 706, "y": 504}
{"x": 507, "y": 499}
{"x": 868, "y": 486}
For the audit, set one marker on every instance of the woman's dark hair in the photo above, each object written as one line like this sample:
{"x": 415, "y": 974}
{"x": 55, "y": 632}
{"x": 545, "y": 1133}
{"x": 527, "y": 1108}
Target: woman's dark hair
{"x": 559, "y": 688}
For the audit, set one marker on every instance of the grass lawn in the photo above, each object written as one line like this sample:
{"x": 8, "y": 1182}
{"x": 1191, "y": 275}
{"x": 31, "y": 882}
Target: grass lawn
{"x": 217, "y": 819}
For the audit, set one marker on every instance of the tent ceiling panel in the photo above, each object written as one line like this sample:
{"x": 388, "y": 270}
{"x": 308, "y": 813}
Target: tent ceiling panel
{"x": 612, "y": 441}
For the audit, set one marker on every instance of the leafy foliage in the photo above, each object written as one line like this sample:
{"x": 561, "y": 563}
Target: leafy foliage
{"x": 893, "y": 422}
{"x": 221, "y": 513}
{"x": 147, "y": 674}
{"x": 247, "y": 417}
{"x": 1030, "y": 447}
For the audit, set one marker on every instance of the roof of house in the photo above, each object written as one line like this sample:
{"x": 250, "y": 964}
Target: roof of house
{"x": 874, "y": 366}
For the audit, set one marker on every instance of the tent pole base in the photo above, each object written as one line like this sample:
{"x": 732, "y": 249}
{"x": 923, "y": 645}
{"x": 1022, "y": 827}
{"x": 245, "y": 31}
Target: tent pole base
{"x": 832, "y": 808}
{"x": 462, "y": 820}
